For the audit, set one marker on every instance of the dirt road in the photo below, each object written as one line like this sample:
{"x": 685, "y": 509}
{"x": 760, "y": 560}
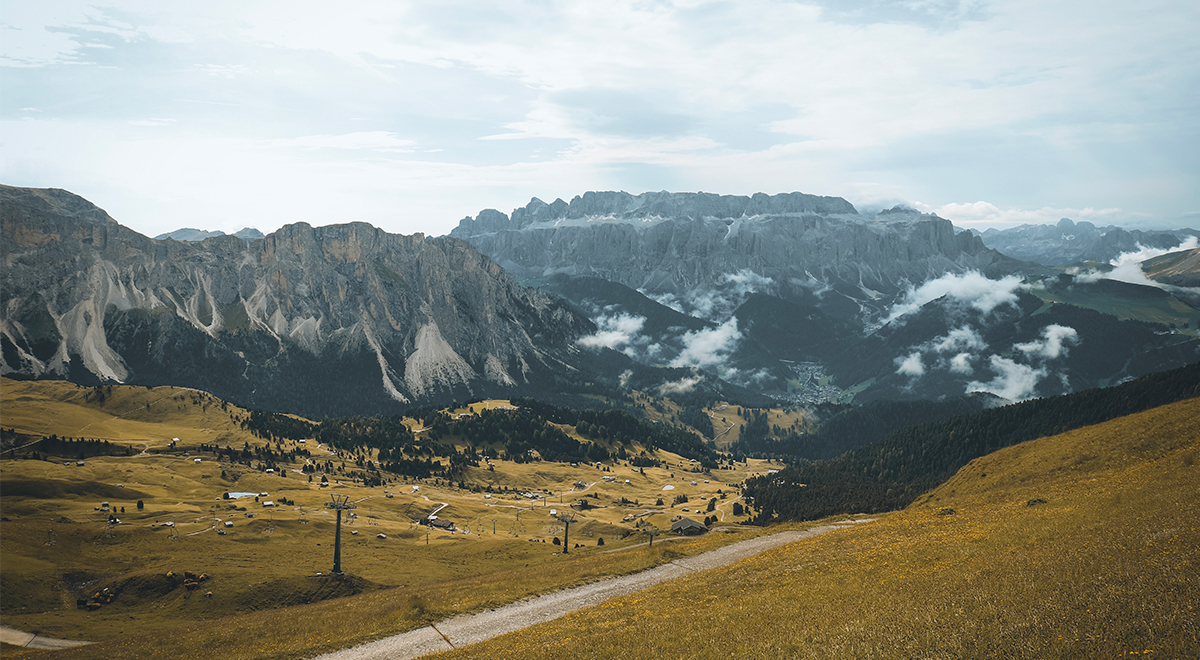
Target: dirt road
{"x": 468, "y": 629}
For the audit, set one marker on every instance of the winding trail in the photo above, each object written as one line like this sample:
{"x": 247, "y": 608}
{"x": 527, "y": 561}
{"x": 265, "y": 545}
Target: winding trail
{"x": 466, "y": 629}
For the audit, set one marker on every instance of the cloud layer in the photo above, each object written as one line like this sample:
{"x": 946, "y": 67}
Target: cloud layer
{"x": 708, "y": 348}
{"x": 972, "y": 288}
{"x": 411, "y": 115}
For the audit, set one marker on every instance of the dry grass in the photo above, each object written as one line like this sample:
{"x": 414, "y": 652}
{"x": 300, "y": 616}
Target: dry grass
{"x": 1106, "y": 567}
{"x": 266, "y": 564}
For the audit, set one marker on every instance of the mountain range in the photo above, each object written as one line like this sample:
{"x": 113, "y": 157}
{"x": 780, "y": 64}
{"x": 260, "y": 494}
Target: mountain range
{"x": 803, "y": 298}
{"x": 317, "y": 319}
{"x": 694, "y": 296}
{"x": 1069, "y": 242}
{"x": 189, "y": 234}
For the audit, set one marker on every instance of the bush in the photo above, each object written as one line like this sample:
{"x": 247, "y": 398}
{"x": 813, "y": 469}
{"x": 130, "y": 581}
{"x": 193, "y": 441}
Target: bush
{"x": 140, "y": 505}
{"x": 600, "y": 541}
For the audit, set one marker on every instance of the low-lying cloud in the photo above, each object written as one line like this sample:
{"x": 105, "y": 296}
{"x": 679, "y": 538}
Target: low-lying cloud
{"x": 1127, "y": 266}
{"x": 718, "y": 302}
{"x": 961, "y": 364}
{"x": 614, "y": 331}
{"x": 960, "y": 338}
{"x": 1053, "y": 343}
{"x": 708, "y": 347}
{"x": 1013, "y": 381}
{"x": 681, "y": 386}
{"x": 972, "y": 287}
{"x": 910, "y": 365}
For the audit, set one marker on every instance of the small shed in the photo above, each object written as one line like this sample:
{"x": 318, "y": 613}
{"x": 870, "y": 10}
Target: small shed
{"x": 438, "y": 523}
{"x": 228, "y": 523}
{"x": 688, "y": 527}
{"x": 268, "y": 503}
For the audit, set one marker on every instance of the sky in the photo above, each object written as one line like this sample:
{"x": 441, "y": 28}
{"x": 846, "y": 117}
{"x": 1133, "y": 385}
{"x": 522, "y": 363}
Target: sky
{"x": 411, "y": 115}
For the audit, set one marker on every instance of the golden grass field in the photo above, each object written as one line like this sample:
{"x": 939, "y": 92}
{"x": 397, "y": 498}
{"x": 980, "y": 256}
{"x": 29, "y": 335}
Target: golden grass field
{"x": 56, "y": 545}
{"x": 1105, "y": 567}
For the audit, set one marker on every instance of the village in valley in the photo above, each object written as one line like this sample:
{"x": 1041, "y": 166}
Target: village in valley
{"x": 151, "y": 506}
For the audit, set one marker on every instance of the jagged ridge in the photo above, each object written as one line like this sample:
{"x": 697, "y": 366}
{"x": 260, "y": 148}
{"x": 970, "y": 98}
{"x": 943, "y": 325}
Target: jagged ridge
{"x": 303, "y": 308}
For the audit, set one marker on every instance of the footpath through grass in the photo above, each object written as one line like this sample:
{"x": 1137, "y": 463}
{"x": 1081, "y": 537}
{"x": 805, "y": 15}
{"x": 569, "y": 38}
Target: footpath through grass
{"x": 1079, "y": 545}
{"x": 308, "y": 630}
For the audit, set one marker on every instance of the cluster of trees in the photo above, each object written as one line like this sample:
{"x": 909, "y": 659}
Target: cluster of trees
{"x": 39, "y": 447}
{"x": 275, "y": 426}
{"x": 268, "y": 457}
{"x": 891, "y": 473}
{"x": 621, "y": 428}
{"x": 521, "y": 431}
{"x": 695, "y": 417}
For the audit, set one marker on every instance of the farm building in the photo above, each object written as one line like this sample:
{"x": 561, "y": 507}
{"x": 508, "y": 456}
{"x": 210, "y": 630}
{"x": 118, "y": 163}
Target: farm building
{"x": 438, "y": 523}
{"x": 688, "y": 527}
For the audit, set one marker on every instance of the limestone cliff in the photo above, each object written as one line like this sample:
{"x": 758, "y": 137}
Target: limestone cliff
{"x": 675, "y": 243}
{"x": 322, "y": 319}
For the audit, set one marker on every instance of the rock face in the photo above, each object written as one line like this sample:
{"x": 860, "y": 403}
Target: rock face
{"x": 317, "y": 320}
{"x": 675, "y": 243}
{"x": 188, "y": 234}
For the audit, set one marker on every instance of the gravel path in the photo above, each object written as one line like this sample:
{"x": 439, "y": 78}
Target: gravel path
{"x": 31, "y": 641}
{"x": 467, "y": 629}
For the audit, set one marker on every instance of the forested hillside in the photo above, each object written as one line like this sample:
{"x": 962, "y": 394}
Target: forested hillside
{"x": 893, "y": 472}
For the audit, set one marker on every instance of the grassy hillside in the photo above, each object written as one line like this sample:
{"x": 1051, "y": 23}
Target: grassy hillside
{"x": 57, "y": 545}
{"x": 893, "y": 472}
{"x": 1078, "y": 545}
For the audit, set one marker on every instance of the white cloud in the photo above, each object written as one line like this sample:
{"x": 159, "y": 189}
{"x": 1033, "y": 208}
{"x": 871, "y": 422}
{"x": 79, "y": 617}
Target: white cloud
{"x": 1053, "y": 343}
{"x": 719, "y": 302}
{"x": 614, "y": 331}
{"x": 1013, "y": 381}
{"x": 961, "y": 364}
{"x": 746, "y": 281}
{"x": 681, "y": 386}
{"x": 910, "y": 366}
{"x": 959, "y": 338}
{"x": 972, "y": 287}
{"x": 1127, "y": 267}
{"x": 708, "y": 347}
{"x": 683, "y": 95}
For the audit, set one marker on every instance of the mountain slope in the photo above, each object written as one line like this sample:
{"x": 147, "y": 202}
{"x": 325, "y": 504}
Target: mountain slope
{"x": 895, "y": 471}
{"x": 1074, "y": 545}
{"x": 344, "y": 317}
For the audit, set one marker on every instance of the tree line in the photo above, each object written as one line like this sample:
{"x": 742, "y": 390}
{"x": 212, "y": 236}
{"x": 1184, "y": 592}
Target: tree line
{"x": 891, "y": 473}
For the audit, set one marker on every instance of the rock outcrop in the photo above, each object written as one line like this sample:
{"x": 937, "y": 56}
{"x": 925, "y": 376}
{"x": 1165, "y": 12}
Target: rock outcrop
{"x": 673, "y": 243}
{"x": 314, "y": 319}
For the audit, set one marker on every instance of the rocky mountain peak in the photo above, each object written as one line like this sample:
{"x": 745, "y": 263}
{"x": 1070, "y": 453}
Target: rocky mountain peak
{"x": 305, "y": 308}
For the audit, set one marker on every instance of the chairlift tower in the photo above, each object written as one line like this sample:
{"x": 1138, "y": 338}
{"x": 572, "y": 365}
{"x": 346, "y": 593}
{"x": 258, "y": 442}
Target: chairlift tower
{"x": 566, "y": 519}
{"x": 339, "y": 503}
